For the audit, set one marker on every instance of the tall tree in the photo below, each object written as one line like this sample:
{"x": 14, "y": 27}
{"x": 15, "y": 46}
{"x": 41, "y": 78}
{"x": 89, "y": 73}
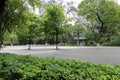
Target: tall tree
{"x": 33, "y": 27}
{"x": 12, "y": 13}
{"x": 102, "y": 14}
{"x": 54, "y": 16}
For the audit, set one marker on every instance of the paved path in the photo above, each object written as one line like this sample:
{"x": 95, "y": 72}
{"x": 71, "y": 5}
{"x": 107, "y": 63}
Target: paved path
{"x": 107, "y": 55}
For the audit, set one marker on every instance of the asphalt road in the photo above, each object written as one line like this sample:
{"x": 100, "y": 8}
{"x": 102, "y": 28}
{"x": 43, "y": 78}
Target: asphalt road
{"x": 100, "y": 55}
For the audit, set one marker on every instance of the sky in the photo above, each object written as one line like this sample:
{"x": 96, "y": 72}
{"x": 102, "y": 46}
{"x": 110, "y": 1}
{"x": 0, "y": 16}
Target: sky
{"x": 78, "y": 1}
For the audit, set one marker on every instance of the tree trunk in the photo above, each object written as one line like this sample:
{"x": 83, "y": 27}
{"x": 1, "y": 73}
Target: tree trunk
{"x": 78, "y": 40}
{"x": 2, "y": 6}
{"x": 56, "y": 39}
{"x": 12, "y": 42}
{"x": 61, "y": 41}
{"x": 29, "y": 43}
{"x": 1, "y": 42}
{"x": 46, "y": 40}
{"x": 101, "y": 27}
{"x": 69, "y": 38}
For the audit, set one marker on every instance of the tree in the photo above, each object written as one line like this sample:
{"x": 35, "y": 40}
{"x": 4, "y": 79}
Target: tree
{"x": 69, "y": 11}
{"x": 11, "y": 38}
{"x": 34, "y": 26}
{"x": 103, "y": 15}
{"x": 78, "y": 29}
{"x": 115, "y": 40}
{"x": 54, "y": 16}
{"x": 12, "y": 13}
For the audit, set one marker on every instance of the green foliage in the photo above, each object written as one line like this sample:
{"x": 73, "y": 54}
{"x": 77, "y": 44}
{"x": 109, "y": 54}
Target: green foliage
{"x": 13, "y": 13}
{"x": 106, "y": 10}
{"x": 115, "y": 40}
{"x": 103, "y": 15}
{"x": 16, "y": 67}
{"x": 79, "y": 28}
{"x": 53, "y": 19}
{"x": 54, "y": 16}
{"x": 11, "y": 38}
{"x": 90, "y": 39}
{"x": 32, "y": 29}
{"x": 34, "y": 26}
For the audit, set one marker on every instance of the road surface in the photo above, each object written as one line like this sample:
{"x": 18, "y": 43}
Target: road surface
{"x": 100, "y": 55}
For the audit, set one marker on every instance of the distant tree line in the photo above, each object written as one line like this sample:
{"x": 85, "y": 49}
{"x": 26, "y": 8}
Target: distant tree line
{"x": 20, "y": 25}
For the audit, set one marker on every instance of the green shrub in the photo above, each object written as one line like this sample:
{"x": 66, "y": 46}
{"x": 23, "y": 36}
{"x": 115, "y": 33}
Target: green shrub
{"x": 16, "y": 67}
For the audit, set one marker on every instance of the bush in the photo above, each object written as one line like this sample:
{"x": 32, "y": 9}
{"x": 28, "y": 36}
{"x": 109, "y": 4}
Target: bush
{"x": 16, "y": 67}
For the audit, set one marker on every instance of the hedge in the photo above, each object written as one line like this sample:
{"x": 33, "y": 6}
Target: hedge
{"x": 19, "y": 67}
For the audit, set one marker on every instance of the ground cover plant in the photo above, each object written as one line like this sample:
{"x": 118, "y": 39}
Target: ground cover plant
{"x": 19, "y": 67}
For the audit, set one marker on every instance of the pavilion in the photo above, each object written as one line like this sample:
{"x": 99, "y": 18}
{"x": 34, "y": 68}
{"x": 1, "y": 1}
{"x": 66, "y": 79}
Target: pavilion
{"x": 82, "y": 39}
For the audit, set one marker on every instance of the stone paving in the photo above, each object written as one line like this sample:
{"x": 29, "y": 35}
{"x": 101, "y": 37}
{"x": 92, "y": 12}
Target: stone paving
{"x": 101, "y": 55}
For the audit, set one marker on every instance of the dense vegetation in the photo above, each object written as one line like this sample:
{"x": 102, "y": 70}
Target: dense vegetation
{"x": 17, "y": 67}
{"x": 104, "y": 24}
{"x": 97, "y": 20}
{"x": 13, "y": 14}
